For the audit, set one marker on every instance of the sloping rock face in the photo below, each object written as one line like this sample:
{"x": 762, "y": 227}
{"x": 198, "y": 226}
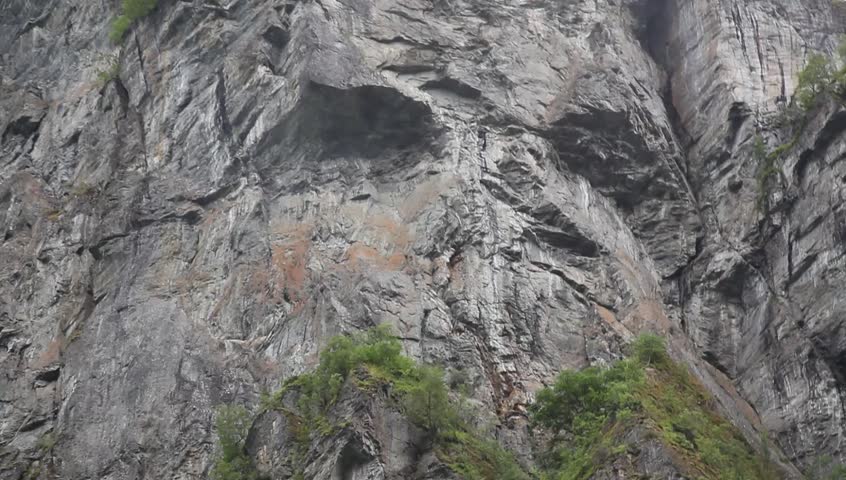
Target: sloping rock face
{"x": 516, "y": 186}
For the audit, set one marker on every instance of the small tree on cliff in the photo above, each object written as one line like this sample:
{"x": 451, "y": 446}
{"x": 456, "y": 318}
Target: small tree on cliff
{"x": 814, "y": 80}
{"x": 233, "y": 424}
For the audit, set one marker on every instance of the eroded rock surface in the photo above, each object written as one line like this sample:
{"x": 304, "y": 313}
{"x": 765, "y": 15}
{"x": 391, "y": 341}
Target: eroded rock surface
{"x": 517, "y": 186}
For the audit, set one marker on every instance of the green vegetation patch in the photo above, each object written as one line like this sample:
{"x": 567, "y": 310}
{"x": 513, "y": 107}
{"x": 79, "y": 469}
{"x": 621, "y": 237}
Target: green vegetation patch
{"x": 132, "y": 11}
{"x": 820, "y": 77}
{"x": 815, "y": 79}
{"x": 110, "y": 72}
{"x": 474, "y": 457}
{"x": 589, "y": 414}
{"x": 590, "y": 411}
{"x": 825, "y": 468}
{"x": 372, "y": 360}
{"x": 233, "y": 423}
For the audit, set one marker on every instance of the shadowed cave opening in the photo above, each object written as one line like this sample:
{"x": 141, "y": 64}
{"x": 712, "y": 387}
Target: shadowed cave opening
{"x": 342, "y": 133}
{"x": 360, "y": 121}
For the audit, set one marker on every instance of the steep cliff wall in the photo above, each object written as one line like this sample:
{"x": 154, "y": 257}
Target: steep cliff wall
{"x": 517, "y": 186}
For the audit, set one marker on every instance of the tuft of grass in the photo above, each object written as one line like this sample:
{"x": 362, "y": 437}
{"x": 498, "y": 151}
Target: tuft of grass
{"x": 54, "y": 215}
{"x": 678, "y": 407}
{"x": 110, "y": 72}
{"x": 47, "y": 442}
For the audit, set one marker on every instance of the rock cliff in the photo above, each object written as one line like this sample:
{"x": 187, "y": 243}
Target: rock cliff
{"x": 517, "y": 186}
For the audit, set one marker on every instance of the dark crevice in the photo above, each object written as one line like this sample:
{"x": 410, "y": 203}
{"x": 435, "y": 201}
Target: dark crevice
{"x": 24, "y": 126}
{"x": 582, "y": 292}
{"x": 835, "y": 125}
{"x": 95, "y": 249}
{"x": 353, "y": 455}
{"x": 191, "y": 217}
{"x": 454, "y": 86}
{"x": 825, "y": 346}
{"x": 33, "y": 424}
{"x": 277, "y": 36}
{"x": 141, "y": 62}
{"x": 803, "y": 266}
{"x": 49, "y": 375}
{"x": 212, "y": 197}
{"x": 223, "y": 117}
{"x": 654, "y": 30}
{"x": 570, "y": 241}
{"x": 411, "y": 68}
{"x": 789, "y": 255}
{"x": 123, "y": 95}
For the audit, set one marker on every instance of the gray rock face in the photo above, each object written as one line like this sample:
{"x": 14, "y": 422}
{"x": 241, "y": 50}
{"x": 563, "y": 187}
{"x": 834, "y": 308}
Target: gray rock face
{"x": 516, "y": 186}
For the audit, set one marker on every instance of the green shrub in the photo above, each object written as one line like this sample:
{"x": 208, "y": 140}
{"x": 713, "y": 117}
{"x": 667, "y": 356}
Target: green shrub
{"x": 589, "y": 412}
{"x": 376, "y": 349}
{"x": 374, "y": 359}
{"x": 120, "y": 25}
{"x": 132, "y": 11}
{"x": 819, "y": 77}
{"x": 135, "y": 9}
{"x": 815, "y": 79}
{"x": 580, "y": 402}
{"x": 650, "y": 349}
{"x": 427, "y": 401}
{"x": 475, "y": 458}
{"x": 233, "y": 424}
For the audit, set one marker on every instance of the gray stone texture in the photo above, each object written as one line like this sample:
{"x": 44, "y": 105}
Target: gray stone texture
{"x": 517, "y": 186}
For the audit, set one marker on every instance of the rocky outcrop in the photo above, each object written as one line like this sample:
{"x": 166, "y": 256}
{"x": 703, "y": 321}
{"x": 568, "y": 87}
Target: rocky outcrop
{"x": 516, "y": 186}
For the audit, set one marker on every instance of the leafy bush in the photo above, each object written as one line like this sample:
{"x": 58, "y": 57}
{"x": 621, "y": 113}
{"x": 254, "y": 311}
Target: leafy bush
{"x": 427, "y": 401}
{"x": 233, "y": 423}
{"x": 650, "y": 349}
{"x": 820, "y": 77}
{"x": 814, "y": 79}
{"x": 375, "y": 356}
{"x": 589, "y": 412}
{"x": 120, "y": 25}
{"x": 135, "y": 9}
{"x": 132, "y": 11}
{"x": 375, "y": 349}
{"x": 581, "y": 401}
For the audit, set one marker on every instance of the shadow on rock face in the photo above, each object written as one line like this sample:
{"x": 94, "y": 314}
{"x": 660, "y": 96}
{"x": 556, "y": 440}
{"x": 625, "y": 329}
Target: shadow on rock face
{"x": 364, "y": 120}
{"x": 361, "y": 122}
{"x": 607, "y": 149}
{"x": 335, "y": 134}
